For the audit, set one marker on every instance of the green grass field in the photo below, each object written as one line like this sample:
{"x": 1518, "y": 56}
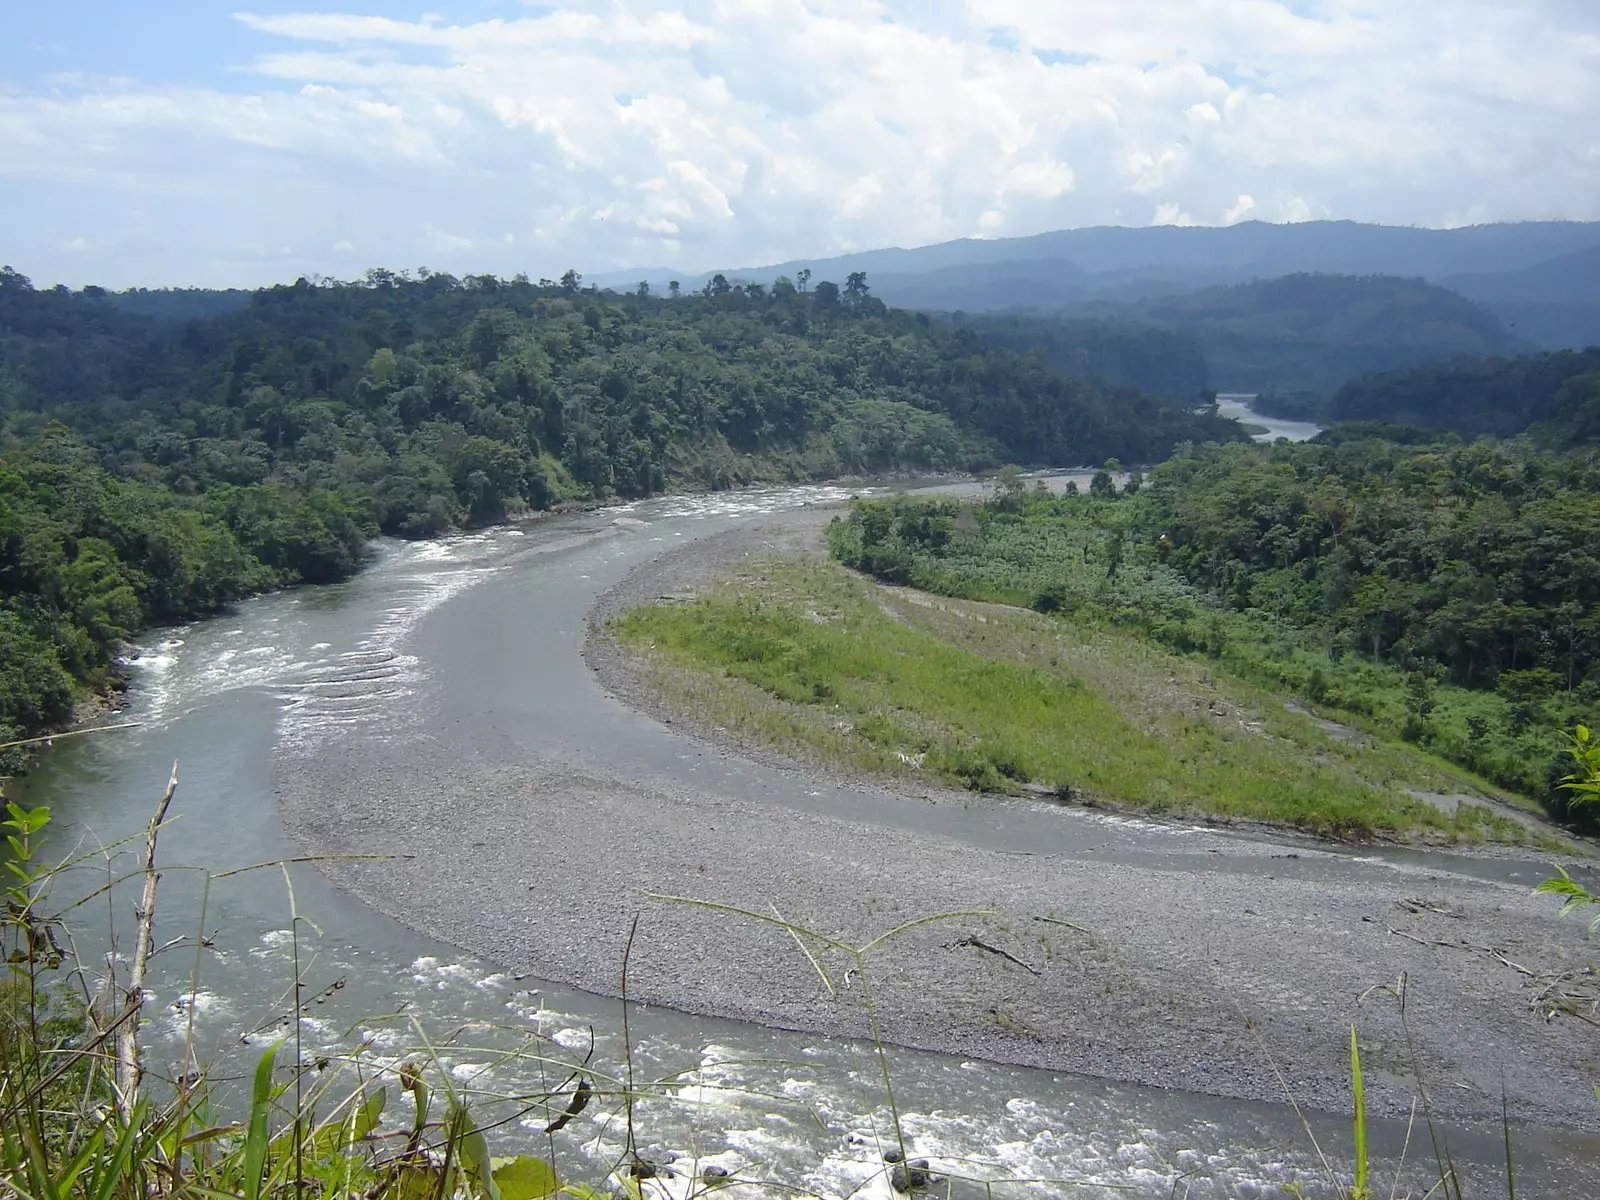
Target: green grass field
{"x": 831, "y": 667}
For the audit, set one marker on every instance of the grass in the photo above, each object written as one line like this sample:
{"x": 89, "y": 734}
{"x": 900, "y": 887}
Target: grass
{"x": 830, "y": 666}
{"x": 1089, "y": 561}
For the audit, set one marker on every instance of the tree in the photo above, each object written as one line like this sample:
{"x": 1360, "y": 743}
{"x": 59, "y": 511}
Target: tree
{"x": 1582, "y": 786}
{"x": 855, "y": 289}
{"x": 673, "y": 287}
{"x": 642, "y": 289}
{"x": 802, "y": 276}
{"x": 1010, "y": 488}
{"x": 571, "y": 281}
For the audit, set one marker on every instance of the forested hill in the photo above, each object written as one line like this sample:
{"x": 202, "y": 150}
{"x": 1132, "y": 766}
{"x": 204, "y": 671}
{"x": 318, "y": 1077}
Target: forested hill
{"x": 153, "y": 468}
{"x": 1123, "y": 353}
{"x": 1314, "y": 332}
{"x": 1556, "y": 394}
{"x": 435, "y": 401}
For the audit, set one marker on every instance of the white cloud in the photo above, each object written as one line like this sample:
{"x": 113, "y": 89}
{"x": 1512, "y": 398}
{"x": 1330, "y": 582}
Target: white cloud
{"x": 1241, "y": 209}
{"x": 706, "y": 133}
{"x": 1294, "y": 209}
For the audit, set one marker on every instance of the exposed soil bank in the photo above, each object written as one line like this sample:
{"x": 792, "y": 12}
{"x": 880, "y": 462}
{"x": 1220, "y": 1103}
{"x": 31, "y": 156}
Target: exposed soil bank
{"x": 1211, "y": 962}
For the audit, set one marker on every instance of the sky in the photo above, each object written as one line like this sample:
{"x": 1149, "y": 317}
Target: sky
{"x": 175, "y": 142}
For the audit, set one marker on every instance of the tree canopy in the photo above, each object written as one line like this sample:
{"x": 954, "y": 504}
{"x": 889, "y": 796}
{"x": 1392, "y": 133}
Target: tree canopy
{"x": 162, "y": 454}
{"x": 1559, "y": 392}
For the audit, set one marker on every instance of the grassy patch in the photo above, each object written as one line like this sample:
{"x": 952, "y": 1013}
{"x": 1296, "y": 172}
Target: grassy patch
{"x": 1087, "y": 561}
{"x": 826, "y": 664}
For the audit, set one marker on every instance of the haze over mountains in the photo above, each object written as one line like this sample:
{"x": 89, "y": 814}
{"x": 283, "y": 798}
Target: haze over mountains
{"x": 1540, "y": 279}
{"x": 1290, "y": 310}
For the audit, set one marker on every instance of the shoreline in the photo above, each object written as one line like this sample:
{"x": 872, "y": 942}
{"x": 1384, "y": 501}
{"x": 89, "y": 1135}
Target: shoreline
{"x": 1212, "y": 965}
{"x": 626, "y": 676}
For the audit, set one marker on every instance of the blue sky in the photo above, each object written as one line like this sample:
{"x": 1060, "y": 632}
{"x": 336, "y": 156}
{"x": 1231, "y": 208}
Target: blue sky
{"x": 185, "y": 142}
{"x": 175, "y": 41}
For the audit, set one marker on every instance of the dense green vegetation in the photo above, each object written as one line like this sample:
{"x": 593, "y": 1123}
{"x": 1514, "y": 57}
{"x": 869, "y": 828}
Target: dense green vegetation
{"x": 1446, "y": 593}
{"x": 1292, "y": 405}
{"x": 1314, "y": 332}
{"x": 821, "y": 663}
{"x": 1124, "y": 353}
{"x": 1558, "y": 395}
{"x": 87, "y": 558}
{"x": 154, "y": 467}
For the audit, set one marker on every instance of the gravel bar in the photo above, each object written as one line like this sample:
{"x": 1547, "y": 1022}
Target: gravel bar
{"x": 1233, "y": 966}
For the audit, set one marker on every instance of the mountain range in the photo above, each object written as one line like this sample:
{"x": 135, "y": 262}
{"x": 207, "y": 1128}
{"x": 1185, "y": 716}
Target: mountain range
{"x": 1540, "y": 279}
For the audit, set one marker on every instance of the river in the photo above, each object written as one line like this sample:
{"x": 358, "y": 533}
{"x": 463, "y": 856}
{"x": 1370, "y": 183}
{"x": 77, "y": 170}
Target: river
{"x": 1237, "y": 406}
{"x": 305, "y": 675}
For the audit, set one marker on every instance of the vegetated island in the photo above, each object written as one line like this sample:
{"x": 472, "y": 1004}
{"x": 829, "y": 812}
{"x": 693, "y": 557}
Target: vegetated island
{"x": 1332, "y": 636}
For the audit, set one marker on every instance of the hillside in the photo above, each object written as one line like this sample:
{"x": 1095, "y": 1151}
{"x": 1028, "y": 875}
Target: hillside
{"x": 1556, "y": 394}
{"x": 1313, "y": 332}
{"x": 1123, "y": 353}
{"x": 1553, "y": 304}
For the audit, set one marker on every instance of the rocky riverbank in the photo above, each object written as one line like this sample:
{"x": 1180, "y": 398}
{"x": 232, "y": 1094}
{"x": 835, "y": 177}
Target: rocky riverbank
{"x": 1221, "y": 963}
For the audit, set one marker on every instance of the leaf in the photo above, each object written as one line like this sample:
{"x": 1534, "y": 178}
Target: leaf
{"x": 473, "y": 1153}
{"x": 117, "y": 1171}
{"x": 526, "y": 1178}
{"x": 366, "y": 1118}
{"x": 582, "y": 1191}
{"x": 412, "y": 1182}
{"x": 255, "y": 1138}
{"x": 1360, "y": 1191}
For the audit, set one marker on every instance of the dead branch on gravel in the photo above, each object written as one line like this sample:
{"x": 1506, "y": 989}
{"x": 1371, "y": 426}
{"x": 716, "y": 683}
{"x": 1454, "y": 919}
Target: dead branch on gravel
{"x": 980, "y": 944}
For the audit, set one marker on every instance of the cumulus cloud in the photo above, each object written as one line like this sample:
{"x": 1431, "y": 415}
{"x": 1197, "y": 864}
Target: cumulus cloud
{"x": 700, "y": 133}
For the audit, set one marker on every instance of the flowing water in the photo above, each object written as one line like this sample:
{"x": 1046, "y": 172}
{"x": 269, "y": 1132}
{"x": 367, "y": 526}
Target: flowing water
{"x": 1237, "y": 406}
{"x": 481, "y": 631}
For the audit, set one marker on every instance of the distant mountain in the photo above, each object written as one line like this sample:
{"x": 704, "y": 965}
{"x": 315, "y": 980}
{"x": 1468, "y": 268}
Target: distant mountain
{"x": 1531, "y": 274}
{"x": 1189, "y": 257}
{"x": 1313, "y": 332}
{"x": 1554, "y": 304}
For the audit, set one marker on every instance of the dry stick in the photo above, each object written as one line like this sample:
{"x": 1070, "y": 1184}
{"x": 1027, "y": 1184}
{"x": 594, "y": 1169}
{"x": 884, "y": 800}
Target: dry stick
{"x": 1468, "y": 946}
{"x": 627, "y": 1042}
{"x": 77, "y": 1056}
{"x": 128, "y": 1036}
{"x": 46, "y": 739}
{"x": 1068, "y": 924}
{"x": 978, "y": 944}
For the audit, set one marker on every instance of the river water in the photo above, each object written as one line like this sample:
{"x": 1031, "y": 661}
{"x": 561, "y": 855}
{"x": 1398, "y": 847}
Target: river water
{"x": 288, "y": 679}
{"x": 1237, "y": 406}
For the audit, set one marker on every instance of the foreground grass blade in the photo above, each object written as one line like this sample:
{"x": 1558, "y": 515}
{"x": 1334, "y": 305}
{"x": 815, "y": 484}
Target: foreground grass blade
{"x": 255, "y": 1140}
{"x": 1361, "y": 1190}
